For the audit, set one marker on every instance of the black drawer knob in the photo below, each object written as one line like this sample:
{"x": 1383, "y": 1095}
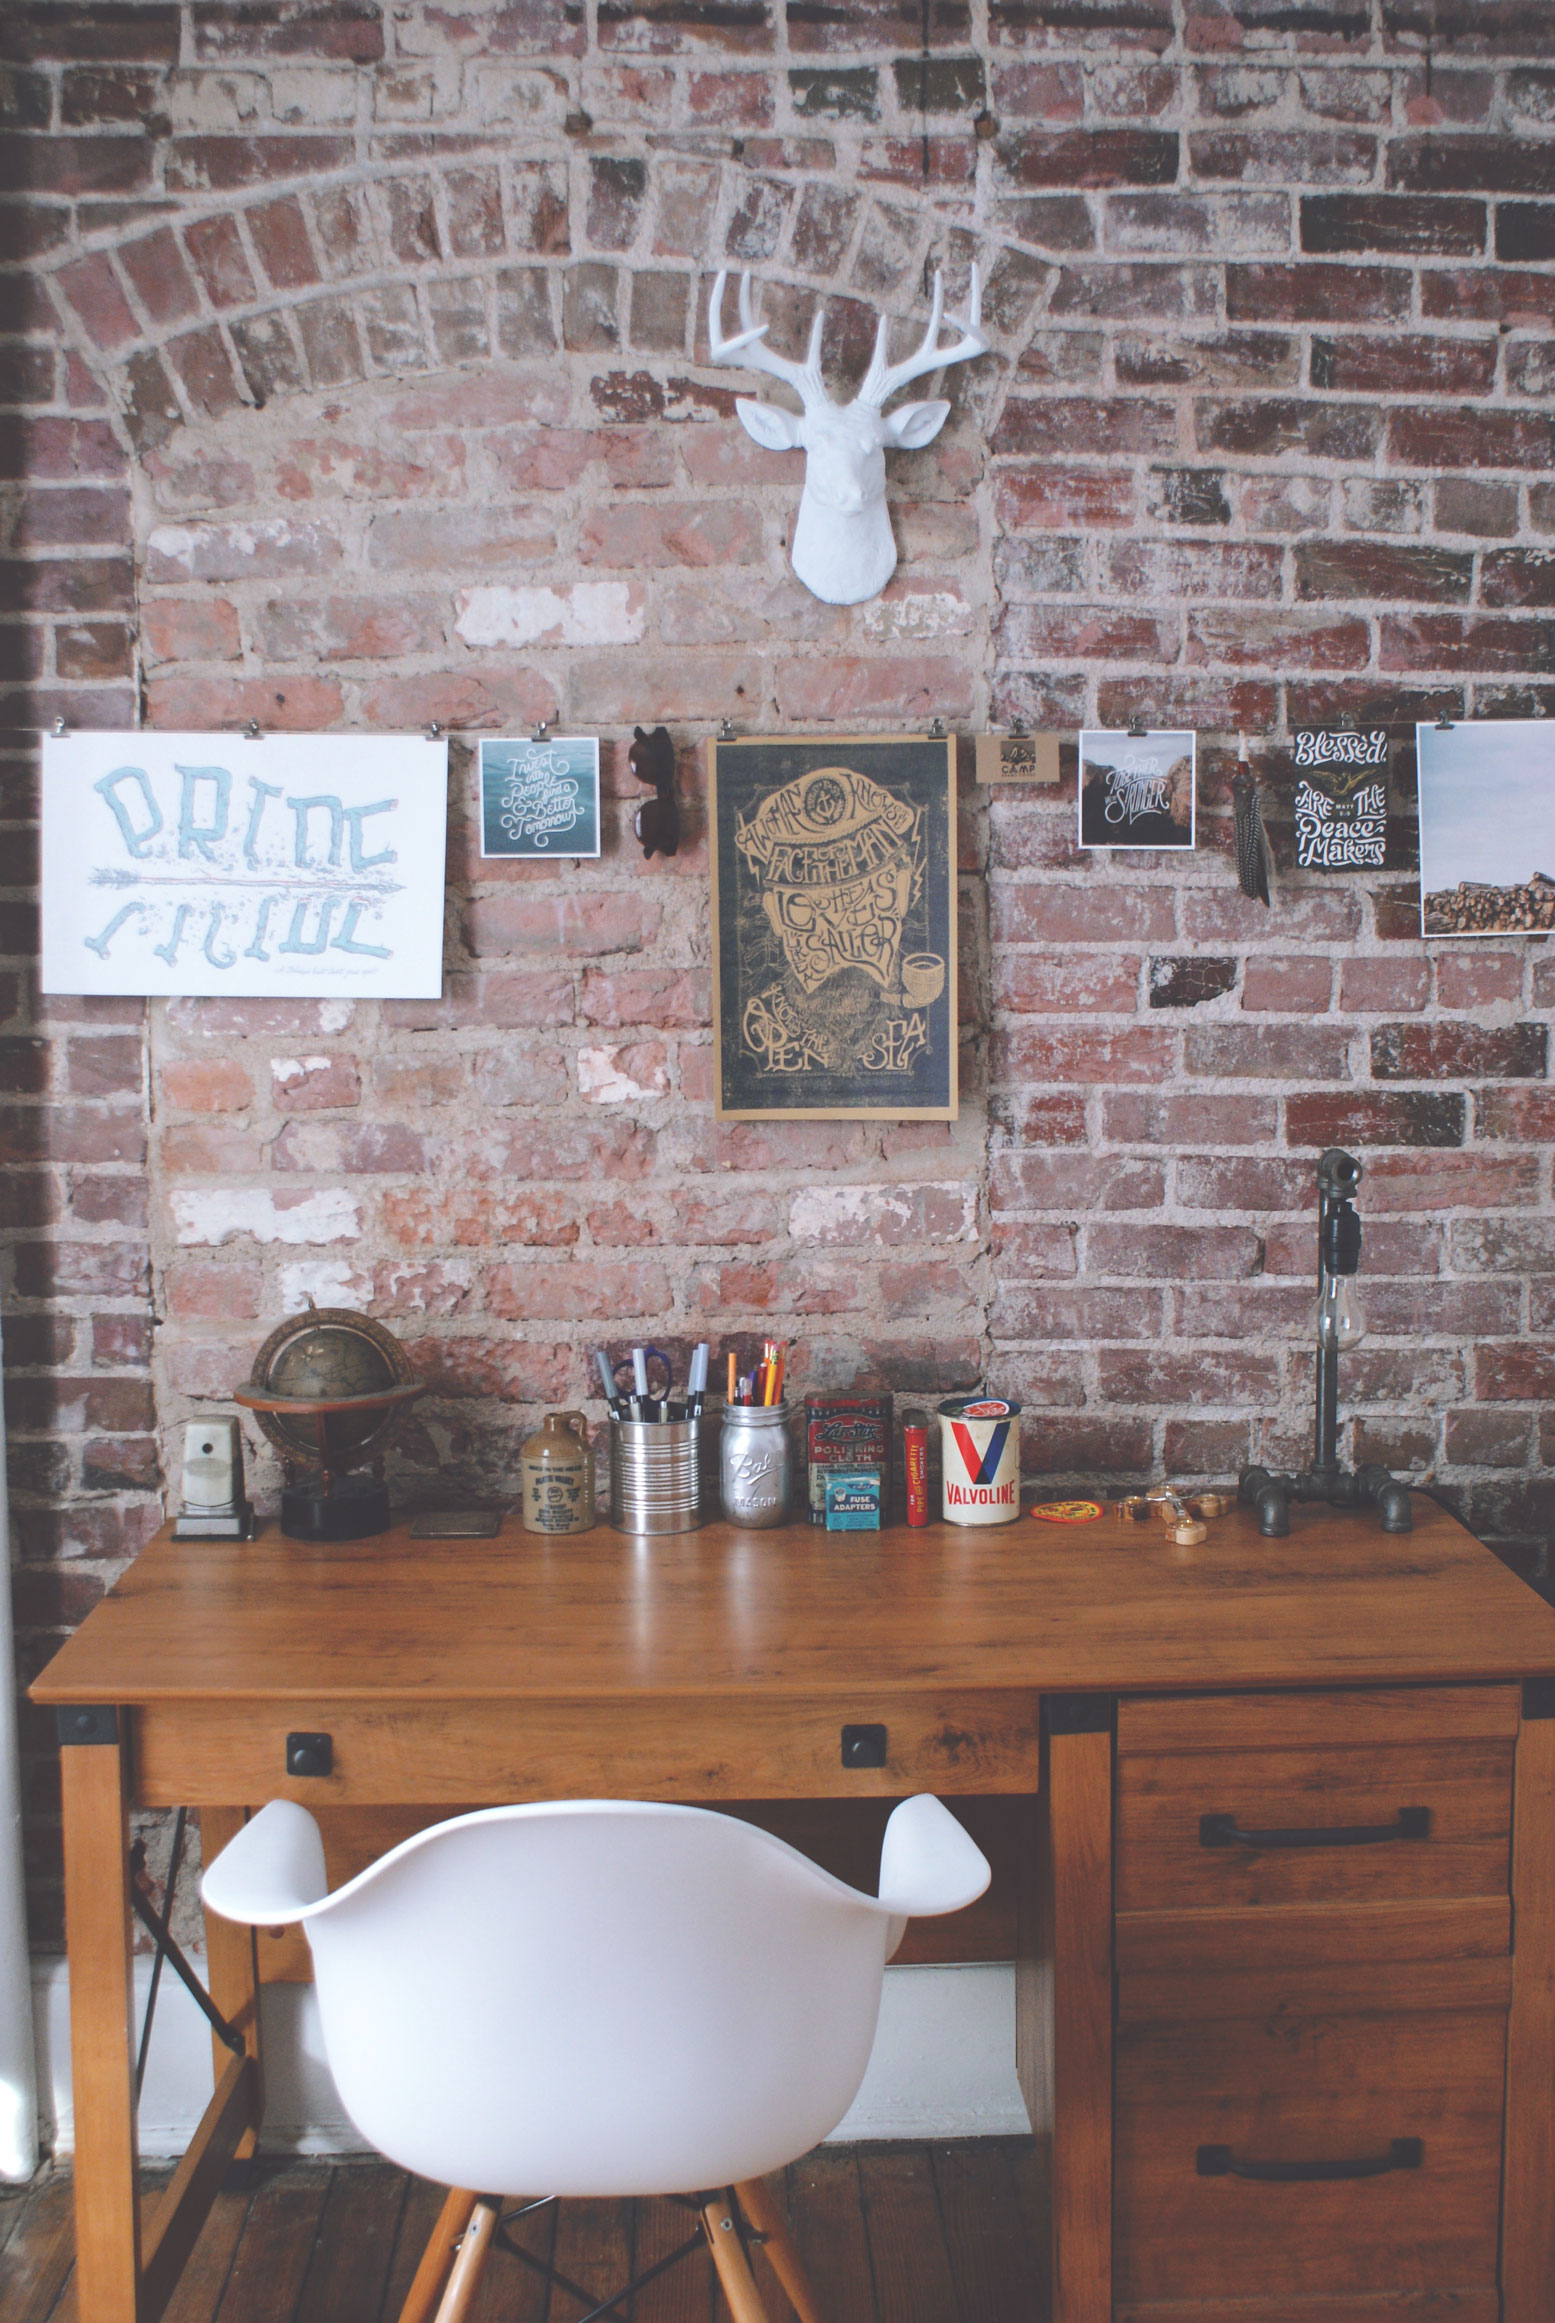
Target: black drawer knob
{"x": 863, "y": 1746}
{"x": 310, "y": 1754}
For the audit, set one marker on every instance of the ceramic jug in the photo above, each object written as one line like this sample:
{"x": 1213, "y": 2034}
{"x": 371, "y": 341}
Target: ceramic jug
{"x": 557, "y": 1464}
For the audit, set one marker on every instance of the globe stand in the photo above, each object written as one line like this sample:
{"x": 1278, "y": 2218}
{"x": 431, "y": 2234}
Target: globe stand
{"x": 349, "y": 1508}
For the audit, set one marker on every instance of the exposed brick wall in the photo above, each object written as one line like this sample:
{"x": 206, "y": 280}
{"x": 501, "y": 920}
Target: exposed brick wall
{"x": 353, "y": 374}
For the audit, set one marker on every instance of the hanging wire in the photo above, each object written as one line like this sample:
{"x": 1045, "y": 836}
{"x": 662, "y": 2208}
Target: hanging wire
{"x": 923, "y": 87}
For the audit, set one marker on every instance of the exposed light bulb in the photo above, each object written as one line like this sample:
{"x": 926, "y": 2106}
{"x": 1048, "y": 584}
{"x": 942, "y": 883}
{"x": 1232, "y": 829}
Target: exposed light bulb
{"x": 1340, "y": 1320}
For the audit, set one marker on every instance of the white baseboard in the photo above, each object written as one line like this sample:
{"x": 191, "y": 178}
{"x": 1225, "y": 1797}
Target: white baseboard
{"x": 943, "y": 2064}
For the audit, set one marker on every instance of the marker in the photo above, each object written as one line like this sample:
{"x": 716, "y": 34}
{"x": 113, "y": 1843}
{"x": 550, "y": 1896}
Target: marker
{"x": 639, "y": 1383}
{"x": 607, "y": 1378}
{"x": 696, "y": 1380}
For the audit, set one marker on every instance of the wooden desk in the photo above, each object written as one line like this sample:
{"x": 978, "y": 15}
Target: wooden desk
{"x": 724, "y": 1666}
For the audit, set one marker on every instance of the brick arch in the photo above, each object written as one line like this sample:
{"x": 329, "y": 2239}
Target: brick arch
{"x": 327, "y": 281}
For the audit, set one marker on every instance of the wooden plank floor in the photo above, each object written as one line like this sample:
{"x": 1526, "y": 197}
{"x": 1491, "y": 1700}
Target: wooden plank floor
{"x": 891, "y": 2233}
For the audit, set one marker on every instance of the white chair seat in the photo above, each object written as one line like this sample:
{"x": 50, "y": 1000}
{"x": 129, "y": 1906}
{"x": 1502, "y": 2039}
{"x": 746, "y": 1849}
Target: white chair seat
{"x": 596, "y": 1997}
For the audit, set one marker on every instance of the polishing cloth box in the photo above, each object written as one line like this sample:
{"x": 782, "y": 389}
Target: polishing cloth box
{"x": 844, "y": 1431}
{"x": 853, "y": 1500}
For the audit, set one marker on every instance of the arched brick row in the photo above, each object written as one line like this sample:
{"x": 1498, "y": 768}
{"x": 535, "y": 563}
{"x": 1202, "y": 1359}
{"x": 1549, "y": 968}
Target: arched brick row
{"x": 403, "y": 272}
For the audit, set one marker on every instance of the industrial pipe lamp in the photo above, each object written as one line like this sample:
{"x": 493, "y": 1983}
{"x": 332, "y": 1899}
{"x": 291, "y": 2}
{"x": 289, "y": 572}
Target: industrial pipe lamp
{"x": 1340, "y": 1324}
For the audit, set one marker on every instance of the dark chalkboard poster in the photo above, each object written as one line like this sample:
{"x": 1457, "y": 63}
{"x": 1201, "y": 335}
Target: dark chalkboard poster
{"x": 1341, "y": 798}
{"x": 834, "y": 927}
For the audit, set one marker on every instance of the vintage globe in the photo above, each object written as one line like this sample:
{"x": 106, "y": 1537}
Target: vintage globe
{"x": 329, "y": 1356}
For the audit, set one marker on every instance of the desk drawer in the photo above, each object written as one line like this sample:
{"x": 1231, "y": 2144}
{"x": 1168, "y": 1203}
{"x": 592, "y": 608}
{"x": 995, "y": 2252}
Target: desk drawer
{"x": 1227, "y": 1803}
{"x": 1200, "y": 2102}
{"x": 482, "y": 1753}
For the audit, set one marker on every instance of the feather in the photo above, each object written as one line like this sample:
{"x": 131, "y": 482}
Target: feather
{"x": 1252, "y": 845}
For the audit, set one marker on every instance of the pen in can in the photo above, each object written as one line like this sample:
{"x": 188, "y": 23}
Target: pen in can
{"x": 915, "y": 1448}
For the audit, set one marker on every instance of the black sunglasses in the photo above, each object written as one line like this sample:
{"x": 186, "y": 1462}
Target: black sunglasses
{"x": 657, "y": 821}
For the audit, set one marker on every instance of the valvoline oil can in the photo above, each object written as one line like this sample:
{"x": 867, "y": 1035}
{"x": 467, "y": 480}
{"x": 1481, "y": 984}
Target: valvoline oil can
{"x": 980, "y": 1459}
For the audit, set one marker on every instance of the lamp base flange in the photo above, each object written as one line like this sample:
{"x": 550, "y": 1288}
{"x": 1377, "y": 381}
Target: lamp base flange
{"x": 1340, "y": 1487}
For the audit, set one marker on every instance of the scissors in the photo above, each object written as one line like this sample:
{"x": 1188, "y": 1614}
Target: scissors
{"x": 658, "y": 1379}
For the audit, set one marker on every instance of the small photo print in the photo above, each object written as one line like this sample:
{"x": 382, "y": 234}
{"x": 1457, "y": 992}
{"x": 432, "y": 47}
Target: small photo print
{"x": 1017, "y": 758}
{"x": 1341, "y": 798}
{"x": 1487, "y": 828}
{"x": 1136, "y": 790}
{"x": 540, "y": 798}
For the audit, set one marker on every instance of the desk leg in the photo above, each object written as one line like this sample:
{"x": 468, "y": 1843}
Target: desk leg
{"x": 1528, "y": 2220}
{"x": 1064, "y": 2006}
{"x": 232, "y": 1970}
{"x": 97, "y": 1934}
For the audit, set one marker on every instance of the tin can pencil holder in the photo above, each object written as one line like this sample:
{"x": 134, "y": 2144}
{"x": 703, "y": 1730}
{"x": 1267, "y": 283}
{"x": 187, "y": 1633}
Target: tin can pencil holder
{"x": 655, "y": 1476}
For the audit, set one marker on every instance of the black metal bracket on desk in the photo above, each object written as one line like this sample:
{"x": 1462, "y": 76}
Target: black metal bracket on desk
{"x": 86, "y": 1725}
{"x": 1077, "y": 1713}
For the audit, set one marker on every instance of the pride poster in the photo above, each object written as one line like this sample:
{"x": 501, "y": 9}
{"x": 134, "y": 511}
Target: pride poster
{"x": 307, "y": 864}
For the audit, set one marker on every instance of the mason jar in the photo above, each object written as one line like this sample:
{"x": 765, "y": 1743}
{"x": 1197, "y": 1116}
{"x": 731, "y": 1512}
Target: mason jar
{"x": 753, "y": 1464}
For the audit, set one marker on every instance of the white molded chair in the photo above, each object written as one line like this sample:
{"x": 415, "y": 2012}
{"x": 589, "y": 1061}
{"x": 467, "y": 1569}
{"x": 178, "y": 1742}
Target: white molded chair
{"x": 600, "y": 1997}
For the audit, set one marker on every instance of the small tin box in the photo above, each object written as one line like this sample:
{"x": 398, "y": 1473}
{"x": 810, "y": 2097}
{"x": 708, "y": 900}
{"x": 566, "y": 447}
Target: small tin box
{"x": 843, "y": 1431}
{"x": 853, "y": 1500}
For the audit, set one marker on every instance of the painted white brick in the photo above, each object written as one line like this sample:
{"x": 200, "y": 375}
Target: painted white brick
{"x": 286, "y": 1070}
{"x": 923, "y": 613}
{"x": 587, "y": 613}
{"x": 218, "y": 1214}
{"x": 328, "y": 1282}
{"x": 603, "y": 1079}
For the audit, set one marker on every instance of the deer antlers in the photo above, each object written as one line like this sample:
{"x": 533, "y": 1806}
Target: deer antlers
{"x": 883, "y": 378}
{"x": 752, "y": 353}
{"x": 748, "y": 347}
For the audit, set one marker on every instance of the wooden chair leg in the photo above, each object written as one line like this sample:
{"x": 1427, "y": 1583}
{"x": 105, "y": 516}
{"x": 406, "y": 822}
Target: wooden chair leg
{"x": 761, "y": 2207}
{"x": 746, "y": 2303}
{"x": 438, "y": 2257}
{"x": 470, "y": 2265}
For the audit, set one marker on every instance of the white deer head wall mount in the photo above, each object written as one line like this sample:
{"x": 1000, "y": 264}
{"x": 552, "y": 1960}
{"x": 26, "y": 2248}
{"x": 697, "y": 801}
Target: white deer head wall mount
{"x": 843, "y": 550}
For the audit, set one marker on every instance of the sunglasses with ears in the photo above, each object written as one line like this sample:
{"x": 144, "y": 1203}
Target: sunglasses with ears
{"x": 657, "y": 821}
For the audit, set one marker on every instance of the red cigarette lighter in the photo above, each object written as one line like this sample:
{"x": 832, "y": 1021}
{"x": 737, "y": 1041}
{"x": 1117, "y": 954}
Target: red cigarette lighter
{"x": 915, "y": 1447}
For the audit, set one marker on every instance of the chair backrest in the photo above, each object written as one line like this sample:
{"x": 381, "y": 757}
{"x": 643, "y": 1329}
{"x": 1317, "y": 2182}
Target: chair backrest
{"x": 598, "y": 1997}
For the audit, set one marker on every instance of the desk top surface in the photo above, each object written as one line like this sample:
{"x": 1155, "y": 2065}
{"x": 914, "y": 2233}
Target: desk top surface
{"x": 1106, "y": 1606}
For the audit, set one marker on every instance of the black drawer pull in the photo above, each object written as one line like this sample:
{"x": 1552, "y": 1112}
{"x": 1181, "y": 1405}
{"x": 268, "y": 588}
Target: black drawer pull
{"x": 1405, "y": 2153}
{"x": 1225, "y": 1831}
{"x": 310, "y": 1754}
